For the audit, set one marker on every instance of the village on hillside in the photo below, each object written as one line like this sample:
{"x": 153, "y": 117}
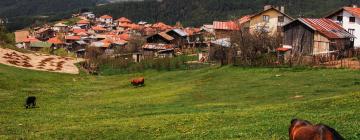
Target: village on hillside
{"x": 335, "y": 35}
{"x": 261, "y": 75}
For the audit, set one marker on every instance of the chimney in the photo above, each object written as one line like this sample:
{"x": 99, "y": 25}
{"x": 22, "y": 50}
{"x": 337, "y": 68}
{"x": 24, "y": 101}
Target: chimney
{"x": 282, "y": 9}
{"x": 354, "y": 6}
{"x": 267, "y": 7}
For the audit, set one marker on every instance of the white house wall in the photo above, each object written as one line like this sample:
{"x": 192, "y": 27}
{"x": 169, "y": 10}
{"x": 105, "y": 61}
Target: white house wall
{"x": 347, "y": 25}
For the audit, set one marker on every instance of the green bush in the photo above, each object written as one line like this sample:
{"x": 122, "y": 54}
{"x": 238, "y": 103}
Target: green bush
{"x": 64, "y": 53}
{"x": 45, "y": 50}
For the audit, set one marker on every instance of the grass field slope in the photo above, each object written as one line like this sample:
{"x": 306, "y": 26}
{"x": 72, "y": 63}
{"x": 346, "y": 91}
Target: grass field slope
{"x": 209, "y": 103}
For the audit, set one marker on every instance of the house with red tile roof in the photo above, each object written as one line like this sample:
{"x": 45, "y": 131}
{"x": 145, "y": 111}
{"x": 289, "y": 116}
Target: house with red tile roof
{"x": 57, "y": 42}
{"x": 161, "y": 26}
{"x": 123, "y": 20}
{"x": 348, "y": 18}
{"x": 308, "y": 36}
{"x": 106, "y": 19}
{"x": 98, "y": 29}
{"x": 83, "y": 24}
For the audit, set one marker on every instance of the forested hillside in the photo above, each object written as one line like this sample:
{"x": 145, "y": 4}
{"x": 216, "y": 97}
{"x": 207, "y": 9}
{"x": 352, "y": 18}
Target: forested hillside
{"x": 22, "y": 13}
{"x": 197, "y": 12}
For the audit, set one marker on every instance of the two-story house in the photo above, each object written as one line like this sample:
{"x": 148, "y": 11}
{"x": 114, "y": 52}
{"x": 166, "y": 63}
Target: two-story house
{"x": 349, "y": 18}
{"x": 106, "y": 19}
{"x": 270, "y": 20}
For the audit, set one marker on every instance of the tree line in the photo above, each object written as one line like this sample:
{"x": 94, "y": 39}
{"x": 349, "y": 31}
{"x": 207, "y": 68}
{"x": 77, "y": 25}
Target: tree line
{"x": 22, "y": 13}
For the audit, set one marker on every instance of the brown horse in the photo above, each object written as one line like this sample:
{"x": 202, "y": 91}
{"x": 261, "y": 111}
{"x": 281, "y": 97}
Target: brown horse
{"x": 138, "y": 81}
{"x": 304, "y": 130}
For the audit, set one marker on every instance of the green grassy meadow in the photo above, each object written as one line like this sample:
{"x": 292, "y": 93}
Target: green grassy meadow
{"x": 208, "y": 103}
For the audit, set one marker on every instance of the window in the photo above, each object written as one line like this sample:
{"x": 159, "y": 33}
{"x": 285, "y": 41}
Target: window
{"x": 351, "y": 31}
{"x": 281, "y": 19}
{"x": 339, "y": 18}
{"x": 352, "y": 19}
{"x": 266, "y": 18}
{"x": 332, "y": 46}
{"x": 263, "y": 29}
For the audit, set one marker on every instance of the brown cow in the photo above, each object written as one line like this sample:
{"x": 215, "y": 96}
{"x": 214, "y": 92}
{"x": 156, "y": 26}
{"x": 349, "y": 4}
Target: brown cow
{"x": 138, "y": 82}
{"x": 304, "y": 130}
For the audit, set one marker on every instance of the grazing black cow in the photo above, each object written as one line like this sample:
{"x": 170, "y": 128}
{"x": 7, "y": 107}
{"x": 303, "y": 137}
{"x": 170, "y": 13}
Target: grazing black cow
{"x": 30, "y": 102}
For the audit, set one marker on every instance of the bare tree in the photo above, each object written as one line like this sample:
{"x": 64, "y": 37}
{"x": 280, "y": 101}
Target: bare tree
{"x": 253, "y": 48}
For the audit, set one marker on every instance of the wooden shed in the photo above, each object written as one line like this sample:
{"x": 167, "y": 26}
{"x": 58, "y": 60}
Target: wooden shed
{"x": 316, "y": 36}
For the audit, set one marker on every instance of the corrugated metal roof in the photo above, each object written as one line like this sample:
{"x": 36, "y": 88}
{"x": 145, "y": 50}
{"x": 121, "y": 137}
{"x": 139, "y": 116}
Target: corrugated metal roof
{"x": 327, "y": 27}
{"x": 229, "y": 25}
{"x": 180, "y": 32}
{"x": 224, "y": 42}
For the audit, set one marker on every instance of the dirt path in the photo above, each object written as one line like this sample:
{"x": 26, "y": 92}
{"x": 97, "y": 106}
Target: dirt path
{"x": 39, "y": 61}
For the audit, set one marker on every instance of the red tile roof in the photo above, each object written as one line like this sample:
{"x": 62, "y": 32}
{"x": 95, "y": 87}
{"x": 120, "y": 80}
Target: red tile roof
{"x": 161, "y": 26}
{"x": 76, "y": 31}
{"x": 55, "y": 40}
{"x": 352, "y": 10}
{"x": 130, "y": 25}
{"x": 106, "y": 17}
{"x": 283, "y": 49}
{"x": 98, "y": 28}
{"x": 245, "y": 19}
{"x": 327, "y": 27}
{"x": 72, "y": 37}
{"x": 82, "y": 34}
{"x": 229, "y": 25}
{"x": 124, "y": 24}
{"x": 149, "y": 31}
{"x": 117, "y": 39}
{"x": 124, "y": 20}
{"x": 124, "y": 36}
{"x": 192, "y": 31}
{"x": 31, "y": 40}
{"x": 83, "y": 22}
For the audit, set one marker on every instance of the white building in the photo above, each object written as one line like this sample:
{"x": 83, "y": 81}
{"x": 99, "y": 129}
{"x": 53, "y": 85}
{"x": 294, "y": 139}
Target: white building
{"x": 349, "y": 18}
{"x": 106, "y": 19}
